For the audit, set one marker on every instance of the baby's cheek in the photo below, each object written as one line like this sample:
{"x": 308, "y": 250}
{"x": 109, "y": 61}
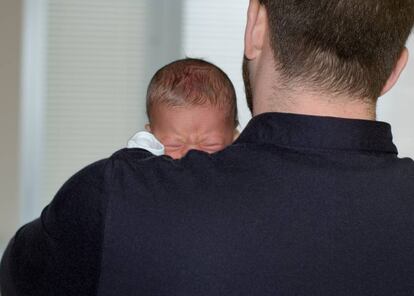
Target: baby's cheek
{"x": 174, "y": 154}
{"x": 214, "y": 150}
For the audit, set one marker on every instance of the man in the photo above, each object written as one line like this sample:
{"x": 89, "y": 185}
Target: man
{"x": 310, "y": 200}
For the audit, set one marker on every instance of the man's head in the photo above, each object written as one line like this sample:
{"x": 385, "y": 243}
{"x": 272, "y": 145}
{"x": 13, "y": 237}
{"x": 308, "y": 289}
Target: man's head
{"x": 191, "y": 104}
{"x": 343, "y": 48}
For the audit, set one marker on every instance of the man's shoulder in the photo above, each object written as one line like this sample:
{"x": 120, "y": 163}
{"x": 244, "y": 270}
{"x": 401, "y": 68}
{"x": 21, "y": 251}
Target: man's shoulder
{"x": 148, "y": 172}
{"x": 407, "y": 162}
{"x": 239, "y": 159}
{"x": 139, "y": 162}
{"x": 404, "y": 171}
{"x": 233, "y": 154}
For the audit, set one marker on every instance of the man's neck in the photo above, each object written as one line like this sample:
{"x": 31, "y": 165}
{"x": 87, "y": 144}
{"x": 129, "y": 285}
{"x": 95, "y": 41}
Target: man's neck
{"x": 317, "y": 105}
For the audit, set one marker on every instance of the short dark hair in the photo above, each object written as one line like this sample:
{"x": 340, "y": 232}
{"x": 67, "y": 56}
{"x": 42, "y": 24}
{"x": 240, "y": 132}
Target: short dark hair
{"x": 345, "y": 46}
{"x": 192, "y": 82}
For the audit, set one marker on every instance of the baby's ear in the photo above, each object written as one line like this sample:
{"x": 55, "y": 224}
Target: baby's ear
{"x": 148, "y": 127}
{"x": 236, "y": 134}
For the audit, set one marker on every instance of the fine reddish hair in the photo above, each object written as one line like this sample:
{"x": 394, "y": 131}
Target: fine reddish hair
{"x": 192, "y": 82}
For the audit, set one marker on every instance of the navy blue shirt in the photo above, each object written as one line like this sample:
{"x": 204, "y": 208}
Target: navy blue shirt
{"x": 298, "y": 205}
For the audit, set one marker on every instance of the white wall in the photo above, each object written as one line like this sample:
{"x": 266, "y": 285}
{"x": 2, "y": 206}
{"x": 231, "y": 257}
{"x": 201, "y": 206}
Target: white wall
{"x": 10, "y": 25}
{"x": 214, "y": 30}
{"x": 397, "y": 108}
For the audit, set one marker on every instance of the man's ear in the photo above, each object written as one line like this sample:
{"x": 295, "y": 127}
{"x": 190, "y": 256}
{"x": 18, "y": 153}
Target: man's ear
{"x": 396, "y": 72}
{"x": 256, "y": 27}
{"x": 148, "y": 127}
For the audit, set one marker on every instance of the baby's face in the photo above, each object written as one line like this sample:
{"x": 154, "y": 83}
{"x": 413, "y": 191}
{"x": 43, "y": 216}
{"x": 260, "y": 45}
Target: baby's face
{"x": 180, "y": 129}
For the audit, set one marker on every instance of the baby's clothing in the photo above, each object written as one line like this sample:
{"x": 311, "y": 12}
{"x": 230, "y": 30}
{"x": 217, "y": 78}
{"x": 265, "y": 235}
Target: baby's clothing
{"x": 146, "y": 141}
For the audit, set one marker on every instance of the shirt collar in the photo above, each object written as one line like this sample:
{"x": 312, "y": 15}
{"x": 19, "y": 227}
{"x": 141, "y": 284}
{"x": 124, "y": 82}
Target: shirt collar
{"x": 315, "y": 132}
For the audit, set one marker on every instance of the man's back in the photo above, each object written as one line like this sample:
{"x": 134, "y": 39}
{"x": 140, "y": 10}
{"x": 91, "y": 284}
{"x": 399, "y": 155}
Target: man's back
{"x": 299, "y": 205}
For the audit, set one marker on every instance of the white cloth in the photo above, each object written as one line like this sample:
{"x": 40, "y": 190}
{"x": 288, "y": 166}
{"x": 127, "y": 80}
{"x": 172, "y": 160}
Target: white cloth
{"x": 146, "y": 141}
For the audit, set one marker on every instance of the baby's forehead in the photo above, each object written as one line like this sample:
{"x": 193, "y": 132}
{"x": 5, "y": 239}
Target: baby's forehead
{"x": 188, "y": 118}
{"x": 193, "y": 106}
{"x": 206, "y": 107}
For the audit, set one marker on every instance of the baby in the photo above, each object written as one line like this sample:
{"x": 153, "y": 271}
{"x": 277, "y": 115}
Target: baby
{"x": 191, "y": 104}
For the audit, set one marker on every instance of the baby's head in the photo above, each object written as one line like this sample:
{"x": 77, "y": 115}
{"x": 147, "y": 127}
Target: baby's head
{"x": 191, "y": 104}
